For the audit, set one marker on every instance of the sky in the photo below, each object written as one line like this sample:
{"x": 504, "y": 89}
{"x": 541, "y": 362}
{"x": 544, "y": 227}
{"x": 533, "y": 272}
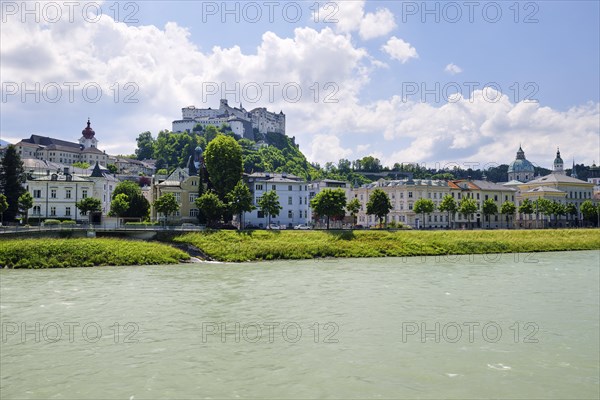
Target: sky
{"x": 434, "y": 83}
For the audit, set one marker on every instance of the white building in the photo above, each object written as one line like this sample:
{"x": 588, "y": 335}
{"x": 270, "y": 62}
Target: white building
{"x": 293, "y": 198}
{"x": 56, "y": 194}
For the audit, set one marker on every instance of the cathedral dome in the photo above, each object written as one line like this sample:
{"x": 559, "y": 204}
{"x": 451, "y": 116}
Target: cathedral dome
{"x": 521, "y": 164}
{"x": 88, "y": 132}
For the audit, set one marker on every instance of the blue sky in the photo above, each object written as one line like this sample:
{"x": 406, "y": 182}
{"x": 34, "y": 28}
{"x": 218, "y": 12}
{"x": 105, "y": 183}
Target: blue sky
{"x": 392, "y": 67}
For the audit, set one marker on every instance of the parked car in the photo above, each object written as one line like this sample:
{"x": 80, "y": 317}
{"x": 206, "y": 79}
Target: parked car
{"x": 302, "y": 227}
{"x": 273, "y": 226}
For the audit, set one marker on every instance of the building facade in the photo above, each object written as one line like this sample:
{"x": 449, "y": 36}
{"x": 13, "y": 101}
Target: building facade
{"x": 293, "y": 197}
{"x": 185, "y": 189}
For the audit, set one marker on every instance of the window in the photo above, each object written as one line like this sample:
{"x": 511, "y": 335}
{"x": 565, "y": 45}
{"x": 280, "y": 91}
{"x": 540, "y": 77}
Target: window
{"x": 258, "y": 200}
{"x": 37, "y": 210}
{"x": 259, "y": 186}
{"x": 401, "y": 195}
{"x": 53, "y": 193}
{"x": 37, "y": 193}
{"x": 194, "y": 182}
{"x": 459, "y": 196}
{"x": 410, "y": 206}
{"x": 290, "y": 188}
{"x": 53, "y": 211}
{"x": 495, "y": 197}
{"x": 260, "y": 214}
{"x": 84, "y": 193}
{"x": 193, "y": 197}
{"x": 410, "y": 195}
{"x": 429, "y": 195}
{"x": 290, "y": 214}
{"x": 300, "y": 200}
{"x": 273, "y": 187}
{"x": 290, "y": 200}
{"x": 68, "y": 194}
{"x": 68, "y": 211}
{"x": 194, "y": 212}
{"x": 178, "y": 197}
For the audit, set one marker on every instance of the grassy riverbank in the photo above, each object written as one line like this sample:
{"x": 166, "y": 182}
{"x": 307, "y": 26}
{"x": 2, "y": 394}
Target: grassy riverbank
{"x": 272, "y": 245}
{"x": 61, "y": 253}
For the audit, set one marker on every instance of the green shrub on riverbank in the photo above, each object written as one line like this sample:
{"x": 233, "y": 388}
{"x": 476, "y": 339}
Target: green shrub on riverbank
{"x": 271, "y": 245}
{"x": 58, "y": 253}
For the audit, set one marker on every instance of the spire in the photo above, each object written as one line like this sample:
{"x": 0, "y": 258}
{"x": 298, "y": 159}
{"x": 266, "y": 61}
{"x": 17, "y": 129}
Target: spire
{"x": 574, "y": 170}
{"x": 520, "y": 153}
{"x": 97, "y": 172}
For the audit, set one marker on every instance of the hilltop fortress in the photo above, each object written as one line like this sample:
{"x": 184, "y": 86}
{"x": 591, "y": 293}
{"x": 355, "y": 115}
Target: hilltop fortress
{"x": 241, "y": 121}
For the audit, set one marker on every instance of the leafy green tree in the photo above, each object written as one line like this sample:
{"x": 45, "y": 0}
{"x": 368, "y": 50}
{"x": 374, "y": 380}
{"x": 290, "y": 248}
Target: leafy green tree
{"x": 112, "y": 168}
{"x": 489, "y": 208}
{"x": 11, "y": 178}
{"x": 139, "y": 207}
{"x": 212, "y": 207}
{"x": 353, "y": 208}
{"x": 424, "y": 206}
{"x": 589, "y": 211}
{"x": 3, "y": 207}
{"x": 448, "y": 204}
{"x": 240, "y": 200}
{"x": 25, "y": 203}
{"x": 468, "y": 207}
{"x": 558, "y": 210}
{"x": 526, "y": 207}
{"x": 329, "y": 203}
{"x": 119, "y": 205}
{"x": 379, "y": 205}
{"x": 369, "y": 164}
{"x": 269, "y": 204}
{"x": 89, "y": 205}
{"x": 508, "y": 209}
{"x": 145, "y": 146}
{"x": 166, "y": 204}
{"x": 223, "y": 158}
{"x": 543, "y": 206}
{"x": 571, "y": 210}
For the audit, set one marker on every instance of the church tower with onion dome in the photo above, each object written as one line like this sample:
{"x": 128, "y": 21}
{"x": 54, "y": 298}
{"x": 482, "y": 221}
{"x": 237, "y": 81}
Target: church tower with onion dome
{"x": 87, "y": 139}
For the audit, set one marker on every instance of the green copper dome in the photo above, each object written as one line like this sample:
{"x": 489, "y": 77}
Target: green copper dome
{"x": 520, "y": 164}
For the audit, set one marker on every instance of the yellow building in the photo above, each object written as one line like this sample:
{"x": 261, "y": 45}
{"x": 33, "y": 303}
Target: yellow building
{"x": 185, "y": 189}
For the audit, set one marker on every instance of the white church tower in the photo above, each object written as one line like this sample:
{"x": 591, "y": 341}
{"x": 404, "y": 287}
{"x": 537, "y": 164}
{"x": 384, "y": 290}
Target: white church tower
{"x": 87, "y": 139}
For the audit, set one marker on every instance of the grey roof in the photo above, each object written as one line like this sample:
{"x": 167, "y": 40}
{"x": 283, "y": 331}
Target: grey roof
{"x": 555, "y": 178}
{"x": 486, "y": 185}
{"x": 544, "y": 189}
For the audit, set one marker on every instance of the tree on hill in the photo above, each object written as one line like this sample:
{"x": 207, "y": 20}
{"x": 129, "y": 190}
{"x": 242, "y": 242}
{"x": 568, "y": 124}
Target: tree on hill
{"x": 448, "y": 205}
{"x": 25, "y": 203}
{"x": 424, "y": 206}
{"x": 11, "y": 178}
{"x": 379, "y": 205}
{"x": 240, "y": 200}
{"x": 89, "y": 205}
{"x": 166, "y": 204}
{"x": 353, "y": 208}
{"x": 269, "y": 204}
{"x": 211, "y": 206}
{"x": 468, "y": 207}
{"x": 489, "y": 208}
{"x": 145, "y": 146}
{"x": 139, "y": 207}
{"x": 223, "y": 158}
{"x": 329, "y": 203}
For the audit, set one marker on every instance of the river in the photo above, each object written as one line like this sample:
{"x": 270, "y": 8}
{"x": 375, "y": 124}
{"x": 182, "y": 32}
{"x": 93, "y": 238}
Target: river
{"x": 497, "y": 326}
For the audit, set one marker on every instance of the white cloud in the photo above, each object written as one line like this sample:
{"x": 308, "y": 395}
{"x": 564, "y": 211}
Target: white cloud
{"x": 351, "y": 17}
{"x": 399, "y": 50}
{"x": 453, "y": 69}
{"x": 325, "y": 148}
{"x": 377, "y": 24}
